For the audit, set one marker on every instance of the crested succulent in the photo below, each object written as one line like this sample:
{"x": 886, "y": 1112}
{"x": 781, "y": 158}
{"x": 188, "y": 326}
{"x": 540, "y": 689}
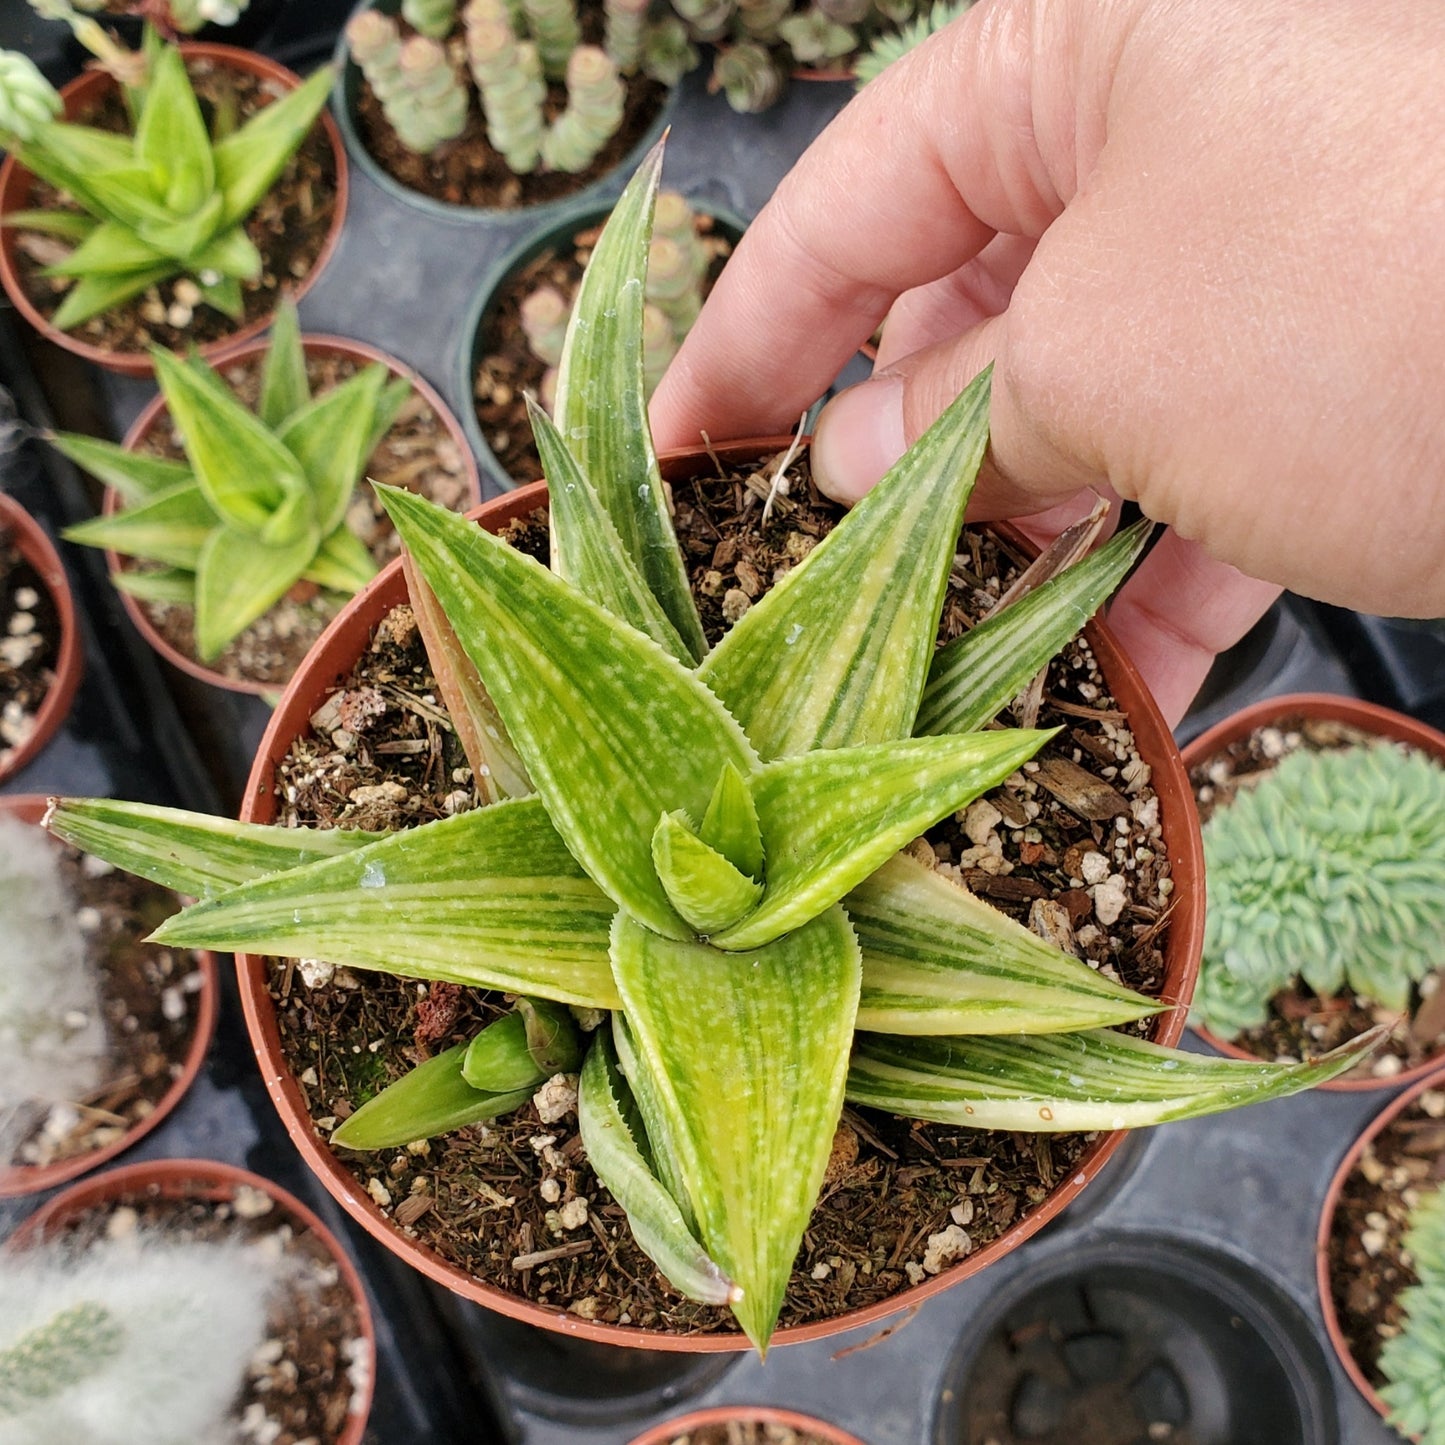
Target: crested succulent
{"x": 169, "y": 199}
{"x": 705, "y": 843}
{"x": 260, "y": 502}
{"x": 1413, "y": 1359}
{"x": 1330, "y": 869}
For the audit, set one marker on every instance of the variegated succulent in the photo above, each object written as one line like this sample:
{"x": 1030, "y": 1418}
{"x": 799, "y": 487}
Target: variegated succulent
{"x": 1413, "y": 1358}
{"x": 705, "y": 844}
{"x": 170, "y": 199}
{"x": 1329, "y": 869}
{"x": 260, "y": 501}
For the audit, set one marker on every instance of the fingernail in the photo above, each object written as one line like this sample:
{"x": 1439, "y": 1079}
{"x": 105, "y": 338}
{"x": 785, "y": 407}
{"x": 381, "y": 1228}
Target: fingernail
{"x": 858, "y": 437}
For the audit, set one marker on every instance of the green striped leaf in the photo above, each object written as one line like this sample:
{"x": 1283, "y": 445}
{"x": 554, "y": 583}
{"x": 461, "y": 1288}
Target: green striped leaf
{"x": 432, "y": 1099}
{"x": 704, "y": 887}
{"x": 829, "y": 819}
{"x": 490, "y": 898}
{"x": 193, "y": 853}
{"x": 284, "y": 387}
{"x": 601, "y": 406}
{"x": 747, "y": 1054}
{"x": 173, "y": 585}
{"x": 109, "y": 250}
{"x": 731, "y": 824}
{"x": 239, "y": 577}
{"x": 609, "y": 1135}
{"x": 835, "y": 656}
{"x": 977, "y": 675}
{"x": 68, "y": 225}
{"x": 524, "y": 1048}
{"x": 92, "y": 295}
{"x": 171, "y": 136}
{"x": 655, "y": 1138}
{"x": 236, "y": 257}
{"x": 394, "y": 397}
{"x": 1062, "y": 1083}
{"x": 137, "y": 476}
{"x": 171, "y": 527}
{"x": 938, "y": 960}
{"x": 614, "y": 732}
{"x": 343, "y": 562}
{"x": 586, "y": 549}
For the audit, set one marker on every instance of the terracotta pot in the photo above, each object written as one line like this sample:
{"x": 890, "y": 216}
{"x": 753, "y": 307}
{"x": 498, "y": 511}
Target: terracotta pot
{"x": 334, "y": 656}
{"x": 19, "y": 1179}
{"x": 1434, "y": 1079}
{"x": 207, "y": 1179}
{"x": 80, "y": 96}
{"x": 1368, "y": 717}
{"x": 37, "y": 549}
{"x": 745, "y": 1415}
{"x": 156, "y": 410}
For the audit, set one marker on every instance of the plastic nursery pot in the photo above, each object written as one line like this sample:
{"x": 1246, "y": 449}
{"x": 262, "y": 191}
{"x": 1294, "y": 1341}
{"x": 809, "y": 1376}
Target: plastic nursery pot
{"x": 214, "y": 1182}
{"x": 20, "y": 1179}
{"x": 37, "y": 550}
{"x": 1382, "y": 1121}
{"x": 330, "y": 661}
{"x": 1327, "y": 707}
{"x": 479, "y": 330}
{"x": 344, "y": 99}
{"x": 81, "y": 96}
{"x": 806, "y": 1425}
{"x": 316, "y": 346}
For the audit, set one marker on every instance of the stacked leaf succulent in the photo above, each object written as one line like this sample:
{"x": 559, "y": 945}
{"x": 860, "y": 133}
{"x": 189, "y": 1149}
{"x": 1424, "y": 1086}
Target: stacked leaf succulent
{"x": 705, "y": 844}
{"x": 1413, "y": 1360}
{"x": 1329, "y": 869}
{"x": 168, "y": 200}
{"x": 259, "y": 503}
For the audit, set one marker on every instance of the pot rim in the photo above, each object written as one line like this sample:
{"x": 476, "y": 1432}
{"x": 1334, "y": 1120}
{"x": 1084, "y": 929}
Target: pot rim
{"x": 1369, "y": 717}
{"x": 314, "y": 343}
{"x": 343, "y": 105}
{"x": 1346, "y": 1167}
{"x": 35, "y": 546}
{"x": 665, "y": 1430}
{"x": 17, "y": 1180}
{"x": 212, "y": 1179}
{"x": 322, "y": 672}
{"x": 16, "y": 182}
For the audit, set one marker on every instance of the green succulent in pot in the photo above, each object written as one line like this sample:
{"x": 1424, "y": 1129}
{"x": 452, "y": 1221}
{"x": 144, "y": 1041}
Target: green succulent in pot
{"x": 705, "y": 844}
{"x": 259, "y": 503}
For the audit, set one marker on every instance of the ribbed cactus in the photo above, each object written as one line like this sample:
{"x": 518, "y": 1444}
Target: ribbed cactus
{"x": 423, "y": 98}
{"x": 659, "y": 344}
{"x": 544, "y": 315}
{"x": 595, "y": 98}
{"x": 667, "y": 53}
{"x": 508, "y": 75}
{"x": 749, "y": 76}
{"x": 557, "y": 32}
{"x": 27, "y": 99}
{"x": 814, "y": 38}
{"x": 626, "y": 26}
{"x": 432, "y": 18}
{"x": 1413, "y": 1361}
{"x": 759, "y": 19}
{"x": 56, "y": 1356}
{"x": 707, "y": 20}
{"x": 1331, "y": 869}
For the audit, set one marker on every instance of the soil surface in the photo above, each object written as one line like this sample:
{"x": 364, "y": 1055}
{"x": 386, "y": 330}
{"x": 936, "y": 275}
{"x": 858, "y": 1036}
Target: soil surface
{"x": 508, "y": 367}
{"x": 746, "y": 1432}
{"x": 466, "y": 171}
{"x": 901, "y": 1200}
{"x": 1368, "y": 1267}
{"x": 150, "y": 996}
{"x": 289, "y": 228}
{"x": 418, "y": 453}
{"x": 301, "y": 1382}
{"x": 1301, "y": 1024}
{"x": 29, "y": 647}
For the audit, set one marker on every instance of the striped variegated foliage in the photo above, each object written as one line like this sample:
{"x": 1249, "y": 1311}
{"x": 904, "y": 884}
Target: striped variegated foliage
{"x": 706, "y": 844}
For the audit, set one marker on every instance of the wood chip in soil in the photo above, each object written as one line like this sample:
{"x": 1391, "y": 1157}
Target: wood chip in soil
{"x": 29, "y": 647}
{"x": 289, "y": 227}
{"x": 490, "y": 1198}
{"x": 1301, "y": 1024}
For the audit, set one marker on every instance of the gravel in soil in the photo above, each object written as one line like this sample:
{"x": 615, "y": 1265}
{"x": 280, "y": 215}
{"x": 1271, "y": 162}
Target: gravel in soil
{"x": 418, "y": 453}
{"x": 289, "y": 227}
{"x": 1301, "y": 1024}
{"x": 1368, "y": 1265}
{"x": 746, "y": 1432}
{"x": 150, "y": 998}
{"x": 514, "y": 1201}
{"x": 29, "y": 647}
{"x": 466, "y": 171}
{"x": 301, "y": 1383}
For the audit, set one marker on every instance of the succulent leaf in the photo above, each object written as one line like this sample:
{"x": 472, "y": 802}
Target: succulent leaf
{"x": 343, "y": 563}
{"x": 1413, "y": 1356}
{"x": 552, "y": 1038}
{"x": 170, "y": 585}
{"x": 498, "y": 1059}
{"x": 109, "y": 249}
{"x": 233, "y": 255}
{"x": 284, "y": 385}
{"x": 704, "y": 887}
{"x": 731, "y": 824}
{"x": 92, "y": 295}
{"x": 68, "y": 225}
{"x": 171, "y": 527}
{"x": 171, "y": 135}
{"x": 655, "y": 1138}
{"x": 137, "y": 476}
{"x": 239, "y": 577}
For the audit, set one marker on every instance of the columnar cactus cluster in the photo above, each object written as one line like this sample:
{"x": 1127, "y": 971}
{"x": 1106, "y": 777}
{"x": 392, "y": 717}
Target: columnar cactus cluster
{"x": 423, "y": 98}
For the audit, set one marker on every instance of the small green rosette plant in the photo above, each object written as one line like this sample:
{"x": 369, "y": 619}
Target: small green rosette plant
{"x": 168, "y": 199}
{"x": 260, "y": 502}
{"x": 1413, "y": 1359}
{"x": 705, "y": 844}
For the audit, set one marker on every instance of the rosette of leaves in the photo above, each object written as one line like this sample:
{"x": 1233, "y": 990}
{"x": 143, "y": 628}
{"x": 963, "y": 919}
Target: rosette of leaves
{"x": 705, "y": 844}
{"x": 1413, "y": 1359}
{"x": 168, "y": 199}
{"x": 260, "y": 501}
{"x": 1329, "y": 869}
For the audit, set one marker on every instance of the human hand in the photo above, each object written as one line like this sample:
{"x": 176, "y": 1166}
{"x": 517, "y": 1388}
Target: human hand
{"x": 1201, "y": 246}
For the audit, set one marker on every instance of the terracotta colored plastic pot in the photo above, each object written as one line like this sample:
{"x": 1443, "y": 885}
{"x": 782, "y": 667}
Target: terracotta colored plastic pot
{"x": 18, "y": 1179}
{"x": 334, "y": 656}
{"x": 38, "y": 550}
{"x": 155, "y": 411}
{"x": 80, "y": 96}
{"x": 745, "y": 1415}
{"x": 1369, "y": 717}
{"x": 1434, "y": 1079}
{"x": 210, "y": 1180}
